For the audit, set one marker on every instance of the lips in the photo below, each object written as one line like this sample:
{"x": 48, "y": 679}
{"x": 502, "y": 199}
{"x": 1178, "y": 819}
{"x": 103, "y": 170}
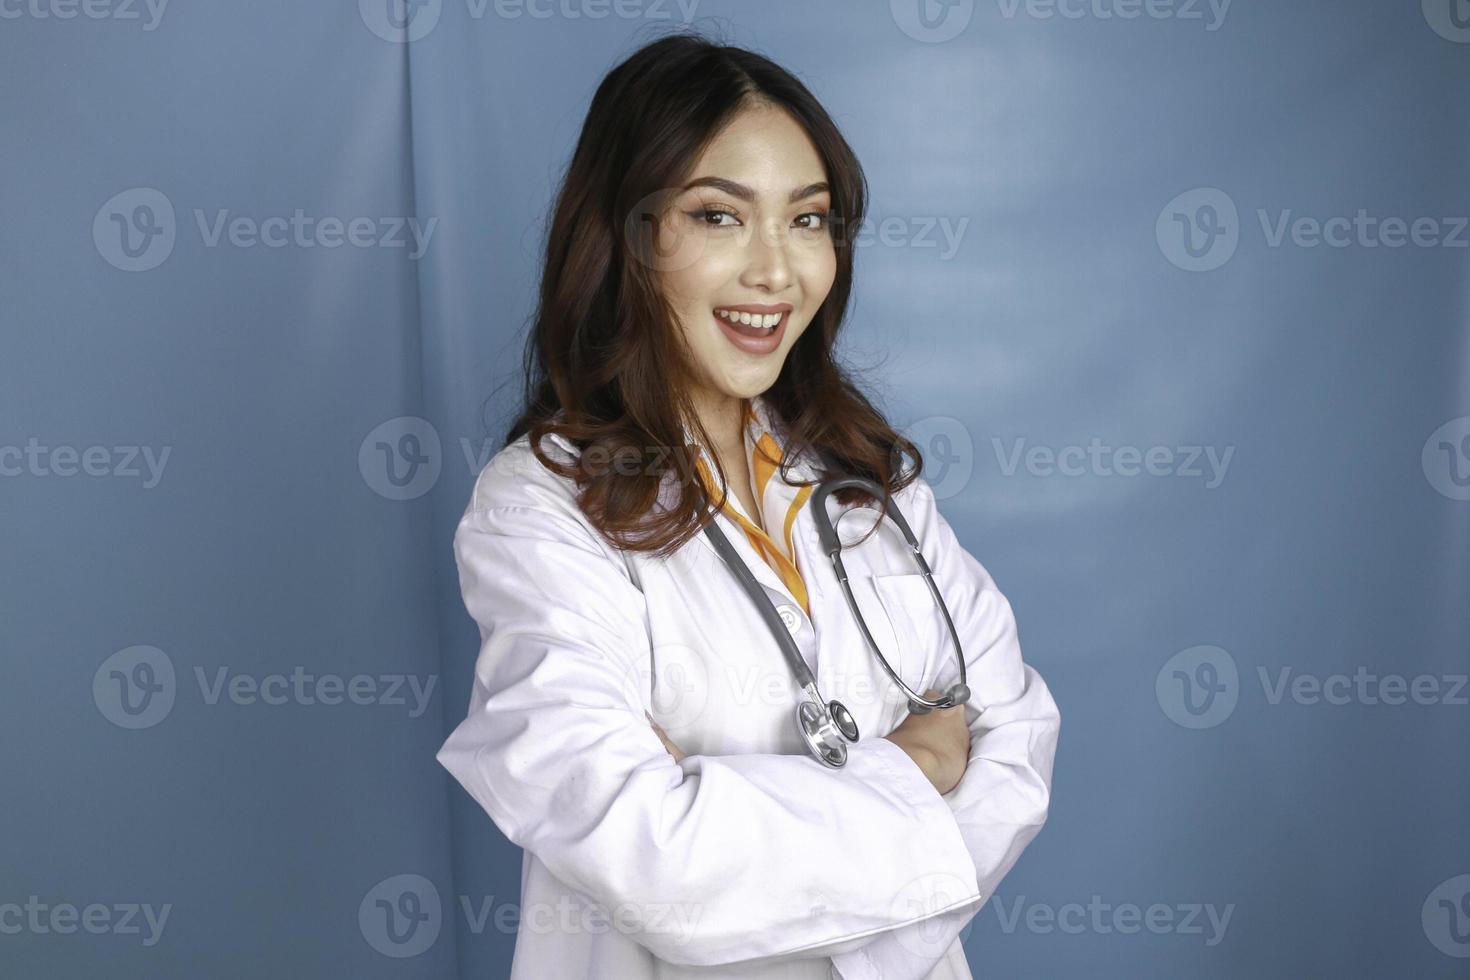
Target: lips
{"x": 752, "y": 339}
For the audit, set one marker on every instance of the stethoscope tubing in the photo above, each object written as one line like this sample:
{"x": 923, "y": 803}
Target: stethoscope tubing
{"x": 823, "y": 725}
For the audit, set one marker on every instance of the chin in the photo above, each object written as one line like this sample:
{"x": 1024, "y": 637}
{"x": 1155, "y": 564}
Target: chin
{"x": 748, "y": 387}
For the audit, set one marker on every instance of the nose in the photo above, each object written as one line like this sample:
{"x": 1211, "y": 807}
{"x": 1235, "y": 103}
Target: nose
{"x": 767, "y": 262}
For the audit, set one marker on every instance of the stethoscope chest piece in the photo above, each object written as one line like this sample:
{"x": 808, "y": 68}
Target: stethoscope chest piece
{"x": 842, "y": 718}
{"x": 822, "y": 735}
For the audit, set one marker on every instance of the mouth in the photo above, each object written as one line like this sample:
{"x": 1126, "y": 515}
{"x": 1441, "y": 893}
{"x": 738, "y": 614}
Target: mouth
{"x": 755, "y": 337}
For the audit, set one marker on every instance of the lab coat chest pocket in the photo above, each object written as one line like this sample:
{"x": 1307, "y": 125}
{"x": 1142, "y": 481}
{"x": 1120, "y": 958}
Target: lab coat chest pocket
{"x": 919, "y": 625}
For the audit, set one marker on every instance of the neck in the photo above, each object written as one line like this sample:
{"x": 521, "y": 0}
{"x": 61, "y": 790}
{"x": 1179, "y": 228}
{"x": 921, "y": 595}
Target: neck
{"x": 723, "y": 417}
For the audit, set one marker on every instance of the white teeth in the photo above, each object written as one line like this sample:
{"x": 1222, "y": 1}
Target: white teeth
{"x": 766, "y": 321}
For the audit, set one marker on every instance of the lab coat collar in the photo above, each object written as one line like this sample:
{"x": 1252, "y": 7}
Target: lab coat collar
{"x": 761, "y": 419}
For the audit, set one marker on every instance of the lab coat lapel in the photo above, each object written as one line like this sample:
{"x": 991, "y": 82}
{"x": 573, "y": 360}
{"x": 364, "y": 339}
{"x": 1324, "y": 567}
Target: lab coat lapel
{"x": 806, "y": 553}
{"x": 767, "y": 576}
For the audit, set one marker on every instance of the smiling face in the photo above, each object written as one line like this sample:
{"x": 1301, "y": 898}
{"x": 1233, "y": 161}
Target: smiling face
{"x": 750, "y": 257}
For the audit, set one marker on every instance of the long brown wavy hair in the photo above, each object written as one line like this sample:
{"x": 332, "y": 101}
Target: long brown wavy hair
{"x": 605, "y": 364}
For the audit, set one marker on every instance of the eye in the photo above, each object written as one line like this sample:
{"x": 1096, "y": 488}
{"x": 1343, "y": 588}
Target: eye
{"x": 819, "y": 222}
{"x": 704, "y": 214}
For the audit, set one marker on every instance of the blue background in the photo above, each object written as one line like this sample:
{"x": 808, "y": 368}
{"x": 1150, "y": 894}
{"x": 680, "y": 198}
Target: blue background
{"x": 1069, "y": 154}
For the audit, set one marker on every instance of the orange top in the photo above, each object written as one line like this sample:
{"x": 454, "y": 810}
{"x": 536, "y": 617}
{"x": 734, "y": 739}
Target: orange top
{"x": 776, "y": 497}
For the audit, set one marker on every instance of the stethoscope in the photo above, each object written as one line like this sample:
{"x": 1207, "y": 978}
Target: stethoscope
{"x": 827, "y": 726}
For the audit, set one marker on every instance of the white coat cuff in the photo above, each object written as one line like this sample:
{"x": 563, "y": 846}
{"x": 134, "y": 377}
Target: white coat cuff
{"x": 939, "y": 904}
{"x": 905, "y": 775}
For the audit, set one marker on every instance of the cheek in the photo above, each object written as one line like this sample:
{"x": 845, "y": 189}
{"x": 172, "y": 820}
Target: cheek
{"x": 792, "y": 336}
{"x": 692, "y": 288}
{"x": 817, "y": 280}
{"x": 820, "y": 269}
{"x": 829, "y": 270}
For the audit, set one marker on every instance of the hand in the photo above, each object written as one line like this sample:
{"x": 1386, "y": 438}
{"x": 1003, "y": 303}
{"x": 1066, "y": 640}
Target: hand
{"x": 664, "y": 738}
{"x": 939, "y": 742}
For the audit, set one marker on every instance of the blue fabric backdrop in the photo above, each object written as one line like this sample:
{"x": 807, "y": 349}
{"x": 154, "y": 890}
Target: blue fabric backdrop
{"x": 1174, "y": 293}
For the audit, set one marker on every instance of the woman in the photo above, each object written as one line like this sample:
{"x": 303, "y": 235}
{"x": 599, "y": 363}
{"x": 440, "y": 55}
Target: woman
{"x": 631, "y": 724}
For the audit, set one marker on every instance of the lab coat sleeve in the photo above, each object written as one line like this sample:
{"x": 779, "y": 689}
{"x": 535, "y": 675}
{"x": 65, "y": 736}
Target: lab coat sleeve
{"x": 1002, "y": 800}
{"x": 769, "y": 856}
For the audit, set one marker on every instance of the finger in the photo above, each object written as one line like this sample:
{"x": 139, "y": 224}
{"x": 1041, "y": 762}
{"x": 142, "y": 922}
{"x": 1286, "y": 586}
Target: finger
{"x": 663, "y": 737}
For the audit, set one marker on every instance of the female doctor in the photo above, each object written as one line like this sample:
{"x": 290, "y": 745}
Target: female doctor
{"x": 631, "y": 725}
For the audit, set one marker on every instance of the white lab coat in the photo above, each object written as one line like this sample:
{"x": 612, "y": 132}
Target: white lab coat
{"x": 749, "y": 859}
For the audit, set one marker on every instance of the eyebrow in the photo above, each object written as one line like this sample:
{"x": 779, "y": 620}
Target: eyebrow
{"x": 739, "y": 190}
